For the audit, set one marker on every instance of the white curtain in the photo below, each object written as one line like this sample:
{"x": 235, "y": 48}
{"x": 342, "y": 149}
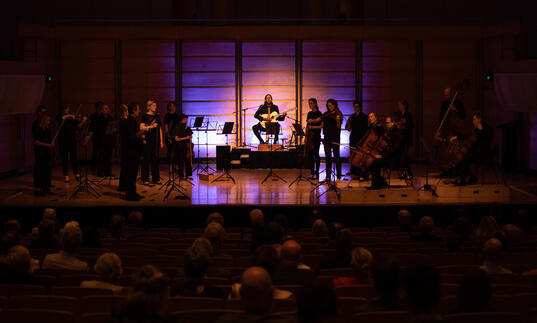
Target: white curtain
{"x": 516, "y": 92}
{"x": 20, "y": 93}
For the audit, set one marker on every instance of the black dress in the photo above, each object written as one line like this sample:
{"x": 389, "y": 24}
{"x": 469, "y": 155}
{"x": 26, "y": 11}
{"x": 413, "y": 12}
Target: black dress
{"x": 314, "y": 160}
{"x": 181, "y": 150}
{"x": 105, "y": 134}
{"x": 68, "y": 144}
{"x": 123, "y": 124}
{"x": 131, "y": 146}
{"x": 150, "y": 149}
{"x": 332, "y": 133}
{"x": 42, "y": 170}
{"x": 170, "y": 120}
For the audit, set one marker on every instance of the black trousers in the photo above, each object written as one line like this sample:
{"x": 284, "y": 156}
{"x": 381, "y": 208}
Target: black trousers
{"x": 131, "y": 162}
{"x": 150, "y": 161}
{"x": 122, "y": 169}
{"x": 104, "y": 160}
{"x": 314, "y": 160}
{"x": 184, "y": 166}
{"x": 258, "y": 128}
{"x": 69, "y": 149}
{"x": 42, "y": 170}
{"x": 94, "y": 152}
{"x": 169, "y": 151}
{"x": 329, "y": 150}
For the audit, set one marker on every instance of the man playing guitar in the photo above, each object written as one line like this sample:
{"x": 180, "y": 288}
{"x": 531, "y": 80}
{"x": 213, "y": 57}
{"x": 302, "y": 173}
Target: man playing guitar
{"x": 268, "y": 112}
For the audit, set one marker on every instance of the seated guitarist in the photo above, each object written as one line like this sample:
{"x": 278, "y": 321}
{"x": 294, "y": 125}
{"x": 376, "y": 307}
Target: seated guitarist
{"x": 267, "y": 109}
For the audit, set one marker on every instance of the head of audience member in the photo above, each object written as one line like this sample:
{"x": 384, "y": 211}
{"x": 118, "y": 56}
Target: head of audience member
{"x": 290, "y": 253}
{"x": 464, "y": 227}
{"x": 422, "y": 288}
{"x": 426, "y": 225}
{"x": 386, "y": 275}
{"x": 488, "y": 228}
{"x": 149, "y": 294}
{"x": 334, "y": 228}
{"x": 49, "y": 213}
{"x": 71, "y": 224}
{"x": 317, "y": 303}
{"x": 275, "y": 232}
{"x": 257, "y": 219}
{"x": 196, "y": 263}
{"x": 282, "y": 220}
{"x": 205, "y": 244}
{"x": 108, "y": 268}
{"x": 215, "y": 233}
{"x": 344, "y": 241}
{"x": 404, "y": 219}
{"x": 492, "y": 251}
{"x": 475, "y": 292}
{"x": 47, "y": 232}
{"x": 116, "y": 226}
{"x": 71, "y": 239}
{"x": 361, "y": 260}
{"x": 319, "y": 228}
{"x": 512, "y": 235}
{"x": 215, "y": 217}
{"x": 19, "y": 259}
{"x": 316, "y": 214}
{"x": 256, "y": 290}
{"x": 12, "y": 225}
{"x": 453, "y": 242}
{"x": 135, "y": 219}
{"x": 266, "y": 256}
{"x": 9, "y": 240}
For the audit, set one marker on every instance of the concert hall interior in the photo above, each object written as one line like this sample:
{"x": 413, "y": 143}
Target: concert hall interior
{"x": 377, "y": 158}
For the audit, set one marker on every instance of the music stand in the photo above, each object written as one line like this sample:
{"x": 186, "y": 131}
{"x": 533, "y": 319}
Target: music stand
{"x": 272, "y": 128}
{"x": 170, "y": 184}
{"x": 227, "y": 130}
{"x": 84, "y": 184}
{"x": 198, "y": 123}
{"x": 299, "y": 134}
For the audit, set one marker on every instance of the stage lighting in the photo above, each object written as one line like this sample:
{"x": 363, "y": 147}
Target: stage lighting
{"x": 489, "y": 77}
{"x": 48, "y": 78}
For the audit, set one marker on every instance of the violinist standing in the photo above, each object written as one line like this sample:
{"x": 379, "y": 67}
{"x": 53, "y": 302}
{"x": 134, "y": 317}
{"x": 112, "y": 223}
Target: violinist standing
{"x": 67, "y": 140}
{"x": 357, "y": 125}
{"x": 43, "y": 146}
{"x": 105, "y": 132}
{"x": 182, "y": 137}
{"x": 152, "y": 143}
{"x": 332, "y": 133}
{"x": 313, "y": 137}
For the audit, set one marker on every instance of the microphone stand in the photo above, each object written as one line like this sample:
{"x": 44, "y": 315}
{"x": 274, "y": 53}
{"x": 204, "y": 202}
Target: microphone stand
{"x": 427, "y": 187}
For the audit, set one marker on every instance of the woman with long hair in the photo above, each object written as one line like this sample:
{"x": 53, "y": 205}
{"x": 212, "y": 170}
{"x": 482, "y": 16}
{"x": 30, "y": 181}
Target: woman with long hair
{"x": 313, "y": 137}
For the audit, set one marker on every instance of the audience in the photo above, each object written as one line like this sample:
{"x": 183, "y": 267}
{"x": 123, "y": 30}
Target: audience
{"x": 256, "y": 293}
{"x": 512, "y": 237}
{"x": 317, "y": 303}
{"x": 215, "y": 217}
{"x": 19, "y": 268}
{"x": 259, "y": 232}
{"x": 488, "y": 228}
{"x": 492, "y": 253}
{"x": 475, "y": 292}
{"x": 66, "y": 259}
{"x": 215, "y": 233}
{"x": 135, "y": 220}
{"x": 385, "y": 272}
{"x": 361, "y": 260}
{"x": 453, "y": 242}
{"x": 109, "y": 270}
{"x": 404, "y": 219}
{"x": 291, "y": 271}
{"x": 463, "y": 227}
{"x": 147, "y": 298}
{"x": 117, "y": 223}
{"x": 319, "y": 229}
{"x": 196, "y": 264}
{"x": 422, "y": 289}
{"x": 425, "y": 229}
{"x": 212, "y": 270}
{"x": 47, "y": 237}
{"x": 341, "y": 258}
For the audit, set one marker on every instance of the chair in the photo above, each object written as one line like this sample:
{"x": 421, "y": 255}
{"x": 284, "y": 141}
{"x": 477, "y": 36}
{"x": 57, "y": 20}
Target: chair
{"x": 449, "y": 289}
{"x": 33, "y": 315}
{"x": 336, "y": 272}
{"x": 180, "y": 303}
{"x": 278, "y": 305}
{"x": 381, "y": 317}
{"x": 79, "y": 292}
{"x": 447, "y": 305}
{"x": 137, "y": 252}
{"x": 510, "y": 289}
{"x": 44, "y": 302}
{"x": 506, "y": 303}
{"x": 73, "y": 280}
{"x": 387, "y": 229}
{"x": 367, "y": 291}
{"x": 489, "y": 317}
{"x": 101, "y": 303}
{"x": 295, "y": 289}
{"x": 350, "y": 305}
{"x": 493, "y": 164}
{"x": 459, "y": 258}
{"x": 10, "y": 290}
{"x": 206, "y": 316}
{"x": 3, "y": 302}
{"x": 456, "y": 269}
{"x": 95, "y": 318}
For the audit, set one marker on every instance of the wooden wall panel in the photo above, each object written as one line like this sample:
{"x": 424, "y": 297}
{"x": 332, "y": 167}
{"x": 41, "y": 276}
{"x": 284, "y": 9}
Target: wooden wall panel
{"x": 268, "y": 67}
{"x": 208, "y": 90}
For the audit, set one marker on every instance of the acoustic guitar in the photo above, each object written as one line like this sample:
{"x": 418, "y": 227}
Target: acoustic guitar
{"x": 272, "y": 117}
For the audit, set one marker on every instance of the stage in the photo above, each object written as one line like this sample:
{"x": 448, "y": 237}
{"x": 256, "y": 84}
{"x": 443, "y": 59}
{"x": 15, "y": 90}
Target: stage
{"x": 17, "y": 191}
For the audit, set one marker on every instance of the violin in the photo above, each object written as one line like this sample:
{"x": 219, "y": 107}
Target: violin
{"x": 336, "y": 115}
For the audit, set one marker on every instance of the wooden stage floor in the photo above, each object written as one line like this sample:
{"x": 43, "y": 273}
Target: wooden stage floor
{"x": 248, "y": 191}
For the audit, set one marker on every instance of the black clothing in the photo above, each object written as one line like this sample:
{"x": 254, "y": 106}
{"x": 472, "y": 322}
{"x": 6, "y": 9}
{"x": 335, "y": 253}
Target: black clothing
{"x": 12, "y": 276}
{"x": 94, "y": 123}
{"x": 332, "y": 132}
{"x": 105, "y": 131}
{"x": 135, "y": 312}
{"x": 150, "y": 149}
{"x": 480, "y": 153}
{"x": 359, "y": 126}
{"x": 314, "y": 160}
{"x": 263, "y": 109}
{"x": 123, "y": 124}
{"x": 425, "y": 237}
{"x": 293, "y": 276}
{"x": 409, "y": 128}
{"x": 392, "y": 156}
{"x": 42, "y": 170}
{"x": 170, "y": 120}
{"x": 131, "y": 145}
{"x": 189, "y": 289}
{"x": 336, "y": 260}
{"x": 181, "y": 149}
{"x": 461, "y": 113}
{"x": 67, "y": 144}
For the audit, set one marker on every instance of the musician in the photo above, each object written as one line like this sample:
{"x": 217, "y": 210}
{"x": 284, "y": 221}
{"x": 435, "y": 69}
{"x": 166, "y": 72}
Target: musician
{"x": 151, "y": 126}
{"x": 105, "y": 131}
{"x": 391, "y": 156}
{"x": 39, "y": 112}
{"x": 95, "y": 119}
{"x": 170, "y": 120}
{"x": 315, "y": 124}
{"x": 267, "y": 108}
{"x": 458, "y": 105}
{"x": 407, "y": 123}
{"x": 131, "y": 144}
{"x": 357, "y": 124}
{"x": 123, "y": 118}
{"x": 43, "y": 147}
{"x": 182, "y": 136}
{"x": 332, "y": 130}
{"x": 480, "y": 152}
{"x": 68, "y": 124}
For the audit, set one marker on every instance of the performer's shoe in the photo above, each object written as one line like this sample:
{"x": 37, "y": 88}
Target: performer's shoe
{"x": 460, "y": 182}
{"x": 77, "y": 177}
{"x": 377, "y": 184}
{"x": 132, "y": 197}
{"x": 148, "y": 184}
{"x": 67, "y": 180}
{"x": 139, "y": 196}
{"x": 450, "y": 173}
{"x": 157, "y": 183}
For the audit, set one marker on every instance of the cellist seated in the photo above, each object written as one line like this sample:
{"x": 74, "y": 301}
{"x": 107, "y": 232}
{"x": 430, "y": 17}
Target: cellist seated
{"x": 479, "y": 153}
{"x": 391, "y": 156}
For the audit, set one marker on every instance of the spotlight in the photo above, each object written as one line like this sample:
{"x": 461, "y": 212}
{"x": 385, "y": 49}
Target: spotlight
{"x": 48, "y": 78}
{"x": 489, "y": 77}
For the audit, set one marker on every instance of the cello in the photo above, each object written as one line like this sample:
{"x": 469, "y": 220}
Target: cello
{"x": 373, "y": 143}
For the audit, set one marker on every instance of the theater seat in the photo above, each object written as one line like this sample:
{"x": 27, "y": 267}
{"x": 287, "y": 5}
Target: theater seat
{"x": 44, "y": 302}
{"x": 79, "y": 292}
{"x": 205, "y": 316}
{"x": 95, "y": 318}
{"x": 101, "y": 303}
{"x": 180, "y": 303}
{"x": 487, "y": 317}
{"x": 382, "y": 317}
{"x": 9, "y": 290}
{"x": 349, "y": 306}
{"x": 33, "y": 316}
